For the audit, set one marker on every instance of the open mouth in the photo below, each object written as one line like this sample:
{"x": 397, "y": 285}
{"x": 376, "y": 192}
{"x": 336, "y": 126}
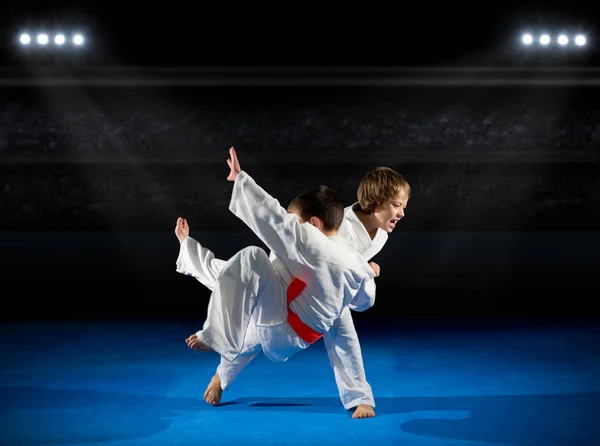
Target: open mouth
{"x": 393, "y": 223}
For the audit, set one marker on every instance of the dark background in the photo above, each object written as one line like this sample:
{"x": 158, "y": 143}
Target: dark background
{"x": 187, "y": 34}
{"x": 503, "y": 164}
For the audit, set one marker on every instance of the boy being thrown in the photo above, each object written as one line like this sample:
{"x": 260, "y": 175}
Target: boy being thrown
{"x": 255, "y": 304}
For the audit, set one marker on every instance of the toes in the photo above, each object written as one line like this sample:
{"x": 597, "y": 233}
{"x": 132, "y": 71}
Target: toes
{"x": 212, "y": 397}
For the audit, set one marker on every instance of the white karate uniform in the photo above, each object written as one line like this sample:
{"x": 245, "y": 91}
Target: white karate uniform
{"x": 249, "y": 292}
{"x": 341, "y": 340}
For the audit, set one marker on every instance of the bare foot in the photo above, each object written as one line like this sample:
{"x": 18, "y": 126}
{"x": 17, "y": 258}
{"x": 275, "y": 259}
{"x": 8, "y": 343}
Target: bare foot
{"x": 196, "y": 344}
{"x": 213, "y": 393}
{"x": 363, "y": 411}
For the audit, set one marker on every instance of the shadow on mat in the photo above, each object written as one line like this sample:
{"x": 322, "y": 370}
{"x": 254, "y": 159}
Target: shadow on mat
{"x": 564, "y": 419}
{"x": 32, "y": 415}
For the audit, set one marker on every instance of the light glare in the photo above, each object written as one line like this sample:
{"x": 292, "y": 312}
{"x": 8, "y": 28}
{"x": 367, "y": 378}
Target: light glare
{"x": 42, "y": 39}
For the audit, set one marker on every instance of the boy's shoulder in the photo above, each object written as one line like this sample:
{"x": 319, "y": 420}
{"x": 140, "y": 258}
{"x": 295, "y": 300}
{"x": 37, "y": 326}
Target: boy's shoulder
{"x": 333, "y": 250}
{"x": 344, "y": 254}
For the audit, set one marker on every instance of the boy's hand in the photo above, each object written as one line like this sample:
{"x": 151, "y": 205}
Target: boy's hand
{"x": 375, "y": 268}
{"x": 233, "y": 164}
{"x": 182, "y": 230}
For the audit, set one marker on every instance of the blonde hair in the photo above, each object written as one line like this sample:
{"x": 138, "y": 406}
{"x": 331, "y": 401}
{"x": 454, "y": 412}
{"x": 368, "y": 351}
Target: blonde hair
{"x": 378, "y": 186}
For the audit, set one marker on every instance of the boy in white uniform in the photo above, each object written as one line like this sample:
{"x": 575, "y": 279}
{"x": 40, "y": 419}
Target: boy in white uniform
{"x": 382, "y": 197}
{"x": 253, "y": 306}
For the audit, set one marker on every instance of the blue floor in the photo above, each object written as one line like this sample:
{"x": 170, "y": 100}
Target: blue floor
{"x": 136, "y": 383}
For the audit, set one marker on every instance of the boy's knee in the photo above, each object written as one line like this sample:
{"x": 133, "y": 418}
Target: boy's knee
{"x": 254, "y": 255}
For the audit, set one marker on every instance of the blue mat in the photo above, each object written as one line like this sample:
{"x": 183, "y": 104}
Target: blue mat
{"x": 136, "y": 383}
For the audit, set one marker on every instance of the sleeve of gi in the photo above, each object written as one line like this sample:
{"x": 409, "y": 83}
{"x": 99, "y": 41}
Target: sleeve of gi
{"x": 280, "y": 231}
{"x": 365, "y": 298}
{"x": 345, "y": 357}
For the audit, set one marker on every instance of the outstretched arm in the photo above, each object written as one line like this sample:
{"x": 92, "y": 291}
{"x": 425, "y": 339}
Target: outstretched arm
{"x": 279, "y": 230}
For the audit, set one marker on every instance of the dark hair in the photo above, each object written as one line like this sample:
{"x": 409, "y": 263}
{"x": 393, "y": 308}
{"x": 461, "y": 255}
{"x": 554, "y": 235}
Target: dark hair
{"x": 322, "y": 202}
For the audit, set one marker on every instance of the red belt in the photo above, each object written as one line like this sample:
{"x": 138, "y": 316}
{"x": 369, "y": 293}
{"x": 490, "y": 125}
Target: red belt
{"x": 302, "y": 330}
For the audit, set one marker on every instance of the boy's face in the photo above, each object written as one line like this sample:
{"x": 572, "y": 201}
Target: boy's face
{"x": 392, "y": 211}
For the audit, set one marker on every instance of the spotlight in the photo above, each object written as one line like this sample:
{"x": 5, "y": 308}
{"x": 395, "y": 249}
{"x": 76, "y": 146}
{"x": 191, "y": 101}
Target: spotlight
{"x": 59, "y": 39}
{"x": 563, "y": 40}
{"x": 545, "y": 39}
{"x": 580, "y": 40}
{"x": 25, "y": 39}
{"x": 78, "y": 39}
{"x": 527, "y": 39}
{"x": 42, "y": 39}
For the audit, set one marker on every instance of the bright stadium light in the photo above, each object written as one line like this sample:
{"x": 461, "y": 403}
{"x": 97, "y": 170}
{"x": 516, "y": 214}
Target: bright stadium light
{"x": 78, "y": 39}
{"x": 58, "y": 38}
{"x": 42, "y": 39}
{"x": 580, "y": 40}
{"x": 562, "y": 38}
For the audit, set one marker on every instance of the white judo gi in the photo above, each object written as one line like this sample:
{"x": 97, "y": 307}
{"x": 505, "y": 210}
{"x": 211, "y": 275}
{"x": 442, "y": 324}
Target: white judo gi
{"x": 341, "y": 340}
{"x": 248, "y": 309}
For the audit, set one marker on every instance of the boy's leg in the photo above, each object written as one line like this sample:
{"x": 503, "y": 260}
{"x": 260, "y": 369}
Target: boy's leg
{"x": 228, "y": 371}
{"x": 199, "y": 262}
{"x": 237, "y": 292}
